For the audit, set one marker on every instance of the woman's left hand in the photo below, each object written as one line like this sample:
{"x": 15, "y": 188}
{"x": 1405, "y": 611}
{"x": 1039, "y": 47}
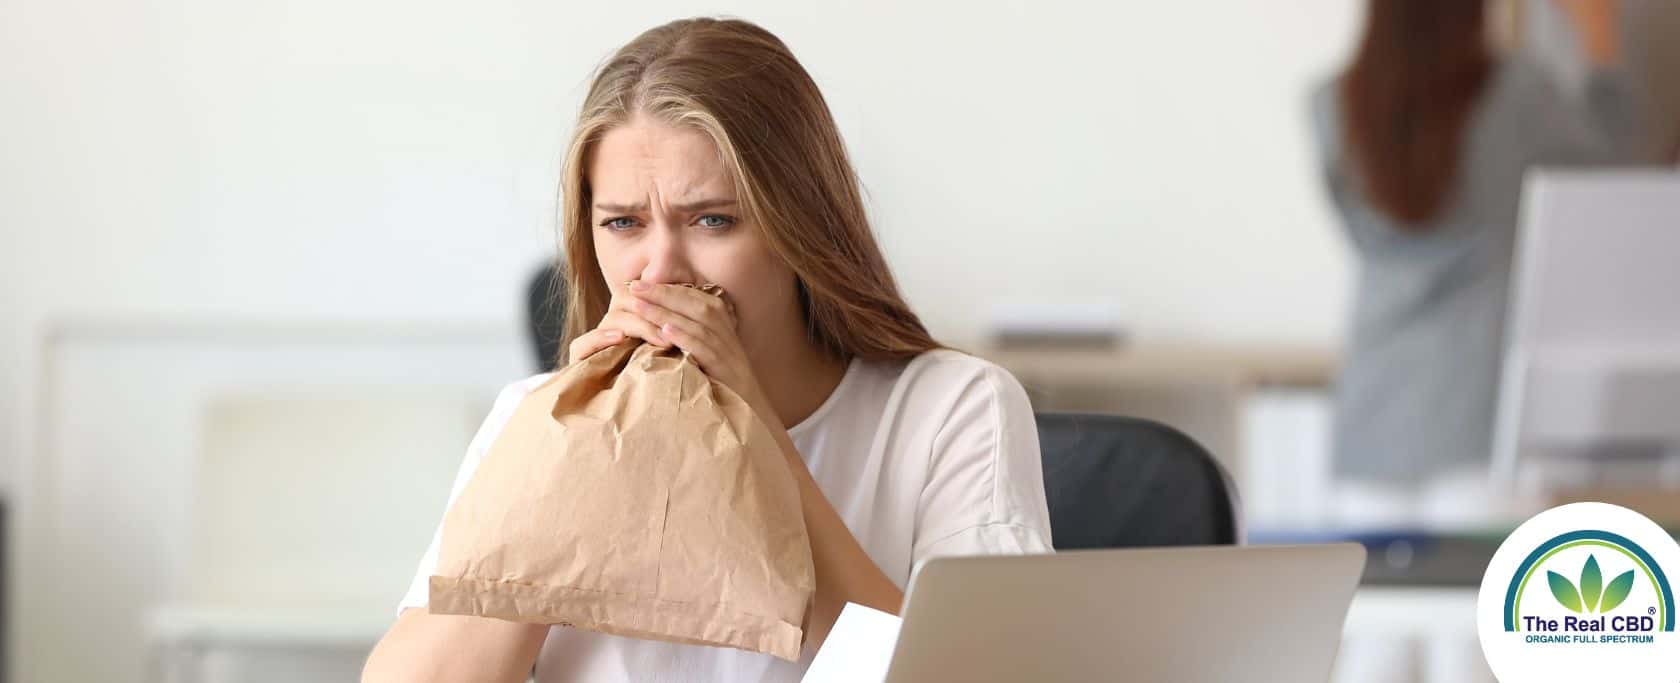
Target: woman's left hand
{"x": 703, "y": 325}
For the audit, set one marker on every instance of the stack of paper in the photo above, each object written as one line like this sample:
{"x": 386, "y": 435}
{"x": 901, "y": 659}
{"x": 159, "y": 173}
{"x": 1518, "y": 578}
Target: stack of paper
{"x": 858, "y": 648}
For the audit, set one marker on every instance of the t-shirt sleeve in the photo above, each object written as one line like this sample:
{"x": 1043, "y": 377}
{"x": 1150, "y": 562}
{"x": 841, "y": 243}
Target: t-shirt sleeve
{"x": 500, "y": 412}
{"x": 985, "y": 487}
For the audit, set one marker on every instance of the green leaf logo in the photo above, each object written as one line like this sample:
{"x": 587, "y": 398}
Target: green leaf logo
{"x": 1564, "y": 591}
{"x": 1592, "y": 583}
{"x": 1593, "y": 596}
{"x": 1617, "y": 591}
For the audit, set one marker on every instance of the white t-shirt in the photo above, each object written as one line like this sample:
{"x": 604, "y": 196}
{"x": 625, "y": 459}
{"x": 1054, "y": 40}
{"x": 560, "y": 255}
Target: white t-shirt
{"x": 934, "y": 456}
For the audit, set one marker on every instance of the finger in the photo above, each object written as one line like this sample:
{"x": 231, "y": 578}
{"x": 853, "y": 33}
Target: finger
{"x": 618, "y": 301}
{"x": 661, "y": 317}
{"x": 625, "y": 306}
{"x": 592, "y": 341}
{"x": 710, "y": 309}
{"x": 635, "y": 325}
{"x": 708, "y": 326}
{"x": 696, "y": 343}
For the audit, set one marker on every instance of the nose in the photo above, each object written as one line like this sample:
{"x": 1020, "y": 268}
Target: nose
{"x": 665, "y": 258}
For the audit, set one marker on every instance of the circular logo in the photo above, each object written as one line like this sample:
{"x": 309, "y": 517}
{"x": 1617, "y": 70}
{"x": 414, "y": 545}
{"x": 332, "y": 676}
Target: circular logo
{"x": 1581, "y": 590}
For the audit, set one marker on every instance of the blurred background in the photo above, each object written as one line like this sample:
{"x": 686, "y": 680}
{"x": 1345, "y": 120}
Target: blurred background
{"x": 265, "y": 265}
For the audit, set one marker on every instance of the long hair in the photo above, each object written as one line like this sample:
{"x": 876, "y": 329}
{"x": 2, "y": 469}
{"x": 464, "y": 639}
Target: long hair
{"x": 1407, "y": 100}
{"x": 742, "y": 87}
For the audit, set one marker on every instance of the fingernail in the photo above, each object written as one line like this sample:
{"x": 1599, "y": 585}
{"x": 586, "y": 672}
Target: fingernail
{"x": 639, "y": 286}
{"x": 615, "y": 335}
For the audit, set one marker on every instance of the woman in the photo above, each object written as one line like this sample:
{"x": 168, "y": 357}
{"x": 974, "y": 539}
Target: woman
{"x": 1424, "y": 141}
{"x": 705, "y": 153}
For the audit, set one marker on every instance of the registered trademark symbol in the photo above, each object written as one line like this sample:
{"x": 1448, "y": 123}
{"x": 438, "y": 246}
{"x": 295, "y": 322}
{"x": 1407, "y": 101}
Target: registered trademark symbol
{"x": 1650, "y": 610}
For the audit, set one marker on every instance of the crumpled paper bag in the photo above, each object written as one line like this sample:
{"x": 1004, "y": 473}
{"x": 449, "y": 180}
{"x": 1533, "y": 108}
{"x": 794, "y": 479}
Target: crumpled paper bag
{"x": 633, "y": 495}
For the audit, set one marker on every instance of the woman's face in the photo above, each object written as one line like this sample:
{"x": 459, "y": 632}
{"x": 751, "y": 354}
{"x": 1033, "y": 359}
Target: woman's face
{"x": 664, "y": 210}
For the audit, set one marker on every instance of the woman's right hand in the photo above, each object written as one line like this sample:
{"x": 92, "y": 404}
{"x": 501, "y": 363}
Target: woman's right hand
{"x": 615, "y": 326}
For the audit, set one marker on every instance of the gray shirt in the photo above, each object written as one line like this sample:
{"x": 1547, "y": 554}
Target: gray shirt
{"x": 1415, "y": 397}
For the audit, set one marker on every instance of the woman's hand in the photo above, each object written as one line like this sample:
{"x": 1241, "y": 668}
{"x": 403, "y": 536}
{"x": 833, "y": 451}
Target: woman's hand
{"x": 702, "y": 324}
{"x": 619, "y": 322}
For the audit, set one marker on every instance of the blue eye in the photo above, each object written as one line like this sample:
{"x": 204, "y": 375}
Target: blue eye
{"x": 716, "y": 221}
{"x": 619, "y": 224}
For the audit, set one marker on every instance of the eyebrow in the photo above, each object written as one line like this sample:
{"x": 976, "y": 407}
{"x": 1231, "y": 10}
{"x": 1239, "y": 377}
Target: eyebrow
{"x": 687, "y": 207}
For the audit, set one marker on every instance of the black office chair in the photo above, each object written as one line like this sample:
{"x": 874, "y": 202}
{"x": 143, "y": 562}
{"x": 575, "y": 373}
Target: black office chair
{"x": 545, "y": 313}
{"x": 1122, "y": 482}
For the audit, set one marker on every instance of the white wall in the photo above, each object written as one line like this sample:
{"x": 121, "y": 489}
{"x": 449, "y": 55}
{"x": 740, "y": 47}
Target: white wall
{"x": 394, "y": 161}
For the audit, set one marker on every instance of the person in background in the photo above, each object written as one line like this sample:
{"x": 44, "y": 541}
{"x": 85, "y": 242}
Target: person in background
{"x": 1423, "y": 142}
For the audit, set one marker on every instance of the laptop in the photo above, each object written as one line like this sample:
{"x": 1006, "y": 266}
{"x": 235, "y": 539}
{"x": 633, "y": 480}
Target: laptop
{"x": 1186, "y": 615}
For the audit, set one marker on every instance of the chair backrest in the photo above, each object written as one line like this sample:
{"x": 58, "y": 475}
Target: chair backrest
{"x": 1122, "y": 482}
{"x": 545, "y": 313}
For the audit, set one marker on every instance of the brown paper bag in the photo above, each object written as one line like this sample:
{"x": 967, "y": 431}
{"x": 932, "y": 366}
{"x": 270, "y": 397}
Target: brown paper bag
{"x": 631, "y": 494}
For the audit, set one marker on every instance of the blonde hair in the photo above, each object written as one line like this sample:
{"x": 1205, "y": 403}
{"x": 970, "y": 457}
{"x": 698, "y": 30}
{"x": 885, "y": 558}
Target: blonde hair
{"x": 738, "y": 84}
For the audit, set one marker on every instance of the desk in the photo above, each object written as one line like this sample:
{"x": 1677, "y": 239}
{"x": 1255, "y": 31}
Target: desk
{"x": 1413, "y": 612}
{"x": 1294, "y": 366}
{"x": 207, "y": 645}
{"x": 1412, "y": 635}
{"x": 1204, "y": 390}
